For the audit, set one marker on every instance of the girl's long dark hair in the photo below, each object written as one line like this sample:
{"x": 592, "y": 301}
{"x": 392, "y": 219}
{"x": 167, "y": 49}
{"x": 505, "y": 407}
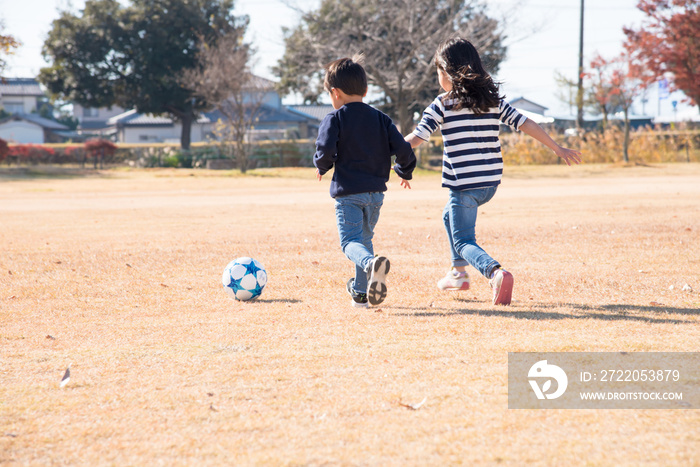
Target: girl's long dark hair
{"x": 472, "y": 87}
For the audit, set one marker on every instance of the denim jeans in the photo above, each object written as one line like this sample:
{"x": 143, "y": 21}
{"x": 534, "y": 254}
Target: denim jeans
{"x": 460, "y": 222}
{"x": 357, "y": 215}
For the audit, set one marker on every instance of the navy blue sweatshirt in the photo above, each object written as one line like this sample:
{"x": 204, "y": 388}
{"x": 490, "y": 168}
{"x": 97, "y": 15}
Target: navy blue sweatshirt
{"x": 360, "y": 140}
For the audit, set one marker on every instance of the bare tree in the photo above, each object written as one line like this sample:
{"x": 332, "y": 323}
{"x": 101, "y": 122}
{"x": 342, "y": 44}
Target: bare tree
{"x": 398, "y": 37}
{"x": 224, "y": 81}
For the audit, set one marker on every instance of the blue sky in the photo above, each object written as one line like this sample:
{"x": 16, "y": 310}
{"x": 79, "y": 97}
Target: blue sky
{"x": 543, "y": 39}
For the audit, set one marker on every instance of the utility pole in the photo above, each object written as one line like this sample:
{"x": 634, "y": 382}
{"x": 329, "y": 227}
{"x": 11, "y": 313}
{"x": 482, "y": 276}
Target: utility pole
{"x": 579, "y": 95}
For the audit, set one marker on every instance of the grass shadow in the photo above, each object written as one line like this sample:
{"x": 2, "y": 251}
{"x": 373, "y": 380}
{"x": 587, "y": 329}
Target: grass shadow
{"x": 543, "y": 311}
{"x": 49, "y": 172}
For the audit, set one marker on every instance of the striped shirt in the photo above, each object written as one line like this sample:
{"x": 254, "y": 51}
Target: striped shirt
{"x": 472, "y": 156}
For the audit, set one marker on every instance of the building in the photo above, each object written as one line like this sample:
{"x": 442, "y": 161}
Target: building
{"x": 274, "y": 121}
{"x": 31, "y": 129}
{"x": 91, "y": 121}
{"x": 20, "y": 95}
{"x": 531, "y": 110}
{"x": 19, "y": 99}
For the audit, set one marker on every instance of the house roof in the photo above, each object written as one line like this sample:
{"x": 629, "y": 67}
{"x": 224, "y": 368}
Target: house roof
{"x": 20, "y": 87}
{"x": 514, "y": 102}
{"x": 45, "y": 123}
{"x": 314, "y": 111}
{"x": 266, "y": 114}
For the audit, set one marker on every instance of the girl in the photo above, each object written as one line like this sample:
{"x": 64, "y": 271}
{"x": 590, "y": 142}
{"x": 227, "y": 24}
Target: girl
{"x": 468, "y": 114}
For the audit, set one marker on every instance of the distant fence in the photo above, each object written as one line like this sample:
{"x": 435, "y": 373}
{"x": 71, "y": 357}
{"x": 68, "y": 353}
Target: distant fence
{"x": 646, "y": 146}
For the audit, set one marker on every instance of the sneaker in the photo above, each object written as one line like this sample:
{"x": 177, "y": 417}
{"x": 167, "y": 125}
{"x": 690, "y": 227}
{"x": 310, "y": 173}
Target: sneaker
{"x": 454, "y": 280}
{"x": 359, "y": 300}
{"x": 376, "y": 287}
{"x": 502, "y": 285}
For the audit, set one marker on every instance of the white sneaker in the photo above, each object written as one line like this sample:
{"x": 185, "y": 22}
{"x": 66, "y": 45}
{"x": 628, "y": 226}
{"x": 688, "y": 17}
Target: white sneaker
{"x": 376, "y": 287}
{"x": 502, "y": 285}
{"x": 454, "y": 280}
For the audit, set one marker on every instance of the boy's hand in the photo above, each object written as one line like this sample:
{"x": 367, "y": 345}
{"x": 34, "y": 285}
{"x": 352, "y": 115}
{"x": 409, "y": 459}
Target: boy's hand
{"x": 318, "y": 175}
{"x": 405, "y": 184}
{"x": 569, "y": 155}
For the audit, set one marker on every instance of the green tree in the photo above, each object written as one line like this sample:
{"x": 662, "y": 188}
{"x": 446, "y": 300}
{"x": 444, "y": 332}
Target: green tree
{"x": 133, "y": 56}
{"x": 398, "y": 37}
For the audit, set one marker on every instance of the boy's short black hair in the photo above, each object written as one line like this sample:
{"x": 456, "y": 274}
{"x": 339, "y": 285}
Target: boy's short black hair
{"x": 347, "y": 75}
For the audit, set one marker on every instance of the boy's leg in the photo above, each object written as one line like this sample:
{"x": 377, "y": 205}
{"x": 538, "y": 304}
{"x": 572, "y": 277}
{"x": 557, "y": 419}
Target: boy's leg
{"x": 350, "y": 214}
{"x": 370, "y": 218}
{"x": 379, "y": 266}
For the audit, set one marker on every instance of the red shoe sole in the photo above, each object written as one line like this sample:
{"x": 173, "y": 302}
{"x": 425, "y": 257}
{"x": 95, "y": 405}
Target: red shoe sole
{"x": 506, "y": 291}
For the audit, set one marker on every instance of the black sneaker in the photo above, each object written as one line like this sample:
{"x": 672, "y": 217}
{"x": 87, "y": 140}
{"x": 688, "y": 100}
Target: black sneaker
{"x": 359, "y": 300}
{"x": 376, "y": 287}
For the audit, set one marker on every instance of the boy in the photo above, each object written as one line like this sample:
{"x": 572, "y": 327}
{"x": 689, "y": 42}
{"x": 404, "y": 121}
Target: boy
{"x": 359, "y": 141}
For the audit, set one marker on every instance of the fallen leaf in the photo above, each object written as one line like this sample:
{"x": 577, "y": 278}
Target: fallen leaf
{"x": 66, "y": 377}
{"x": 414, "y": 406}
{"x": 656, "y": 303}
{"x": 49, "y": 336}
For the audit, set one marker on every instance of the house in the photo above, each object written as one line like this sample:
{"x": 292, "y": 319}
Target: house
{"x": 91, "y": 121}
{"x": 274, "y": 121}
{"x": 20, "y": 95}
{"x": 20, "y": 98}
{"x": 315, "y": 113}
{"x": 31, "y": 129}
{"x": 527, "y": 105}
{"x": 271, "y": 124}
{"x": 531, "y": 110}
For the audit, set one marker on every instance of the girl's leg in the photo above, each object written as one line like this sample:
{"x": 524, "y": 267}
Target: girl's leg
{"x": 462, "y": 209}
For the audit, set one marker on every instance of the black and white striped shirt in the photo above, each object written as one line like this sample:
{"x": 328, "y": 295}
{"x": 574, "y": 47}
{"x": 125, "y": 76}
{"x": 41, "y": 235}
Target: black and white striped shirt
{"x": 472, "y": 156}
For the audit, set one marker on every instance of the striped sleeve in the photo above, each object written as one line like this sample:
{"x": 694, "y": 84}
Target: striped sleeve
{"x": 510, "y": 116}
{"x": 433, "y": 117}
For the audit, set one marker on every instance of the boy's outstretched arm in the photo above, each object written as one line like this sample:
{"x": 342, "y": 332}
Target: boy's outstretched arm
{"x": 533, "y": 129}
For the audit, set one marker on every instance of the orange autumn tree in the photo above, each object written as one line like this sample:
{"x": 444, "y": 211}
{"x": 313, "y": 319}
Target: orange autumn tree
{"x": 668, "y": 43}
{"x": 615, "y": 86}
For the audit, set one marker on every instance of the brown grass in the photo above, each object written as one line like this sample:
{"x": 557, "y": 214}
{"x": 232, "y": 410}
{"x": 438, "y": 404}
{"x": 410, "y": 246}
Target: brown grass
{"x": 118, "y": 275}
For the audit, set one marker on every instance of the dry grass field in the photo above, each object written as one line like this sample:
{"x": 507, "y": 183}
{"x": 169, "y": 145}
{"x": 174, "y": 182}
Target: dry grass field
{"x": 117, "y": 274}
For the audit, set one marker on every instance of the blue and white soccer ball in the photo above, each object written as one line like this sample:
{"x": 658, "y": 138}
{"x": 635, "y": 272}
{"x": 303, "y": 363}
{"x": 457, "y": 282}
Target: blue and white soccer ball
{"x": 244, "y": 279}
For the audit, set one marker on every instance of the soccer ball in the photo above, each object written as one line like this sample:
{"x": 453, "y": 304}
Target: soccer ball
{"x": 244, "y": 279}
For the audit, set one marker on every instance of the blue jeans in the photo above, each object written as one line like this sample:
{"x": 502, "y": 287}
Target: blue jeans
{"x": 357, "y": 215}
{"x": 460, "y": 222}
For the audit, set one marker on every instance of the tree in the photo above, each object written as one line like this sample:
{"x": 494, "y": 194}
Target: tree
{"x": 601, "y": 95}
{"x": 398, "y": 37}
{"x": 7, "y": 45}
{"x": 4, "y": 149}
{"x": 133, "y": 56}
{"x": 223, "y": 80}
{"x": 617, "y": 77}
{"x": 668, "y": 42}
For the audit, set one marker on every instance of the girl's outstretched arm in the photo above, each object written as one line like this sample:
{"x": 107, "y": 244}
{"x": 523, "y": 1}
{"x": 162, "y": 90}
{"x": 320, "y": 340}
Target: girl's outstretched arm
{"x": 413, "y": 140}
{"x": 533, "y": 129}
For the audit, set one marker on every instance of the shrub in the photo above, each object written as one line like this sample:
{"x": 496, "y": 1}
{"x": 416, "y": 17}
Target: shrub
{"x": 31, "y": 154}
{"x": 4, "y": 149}
{"x": 99, "y": 150}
